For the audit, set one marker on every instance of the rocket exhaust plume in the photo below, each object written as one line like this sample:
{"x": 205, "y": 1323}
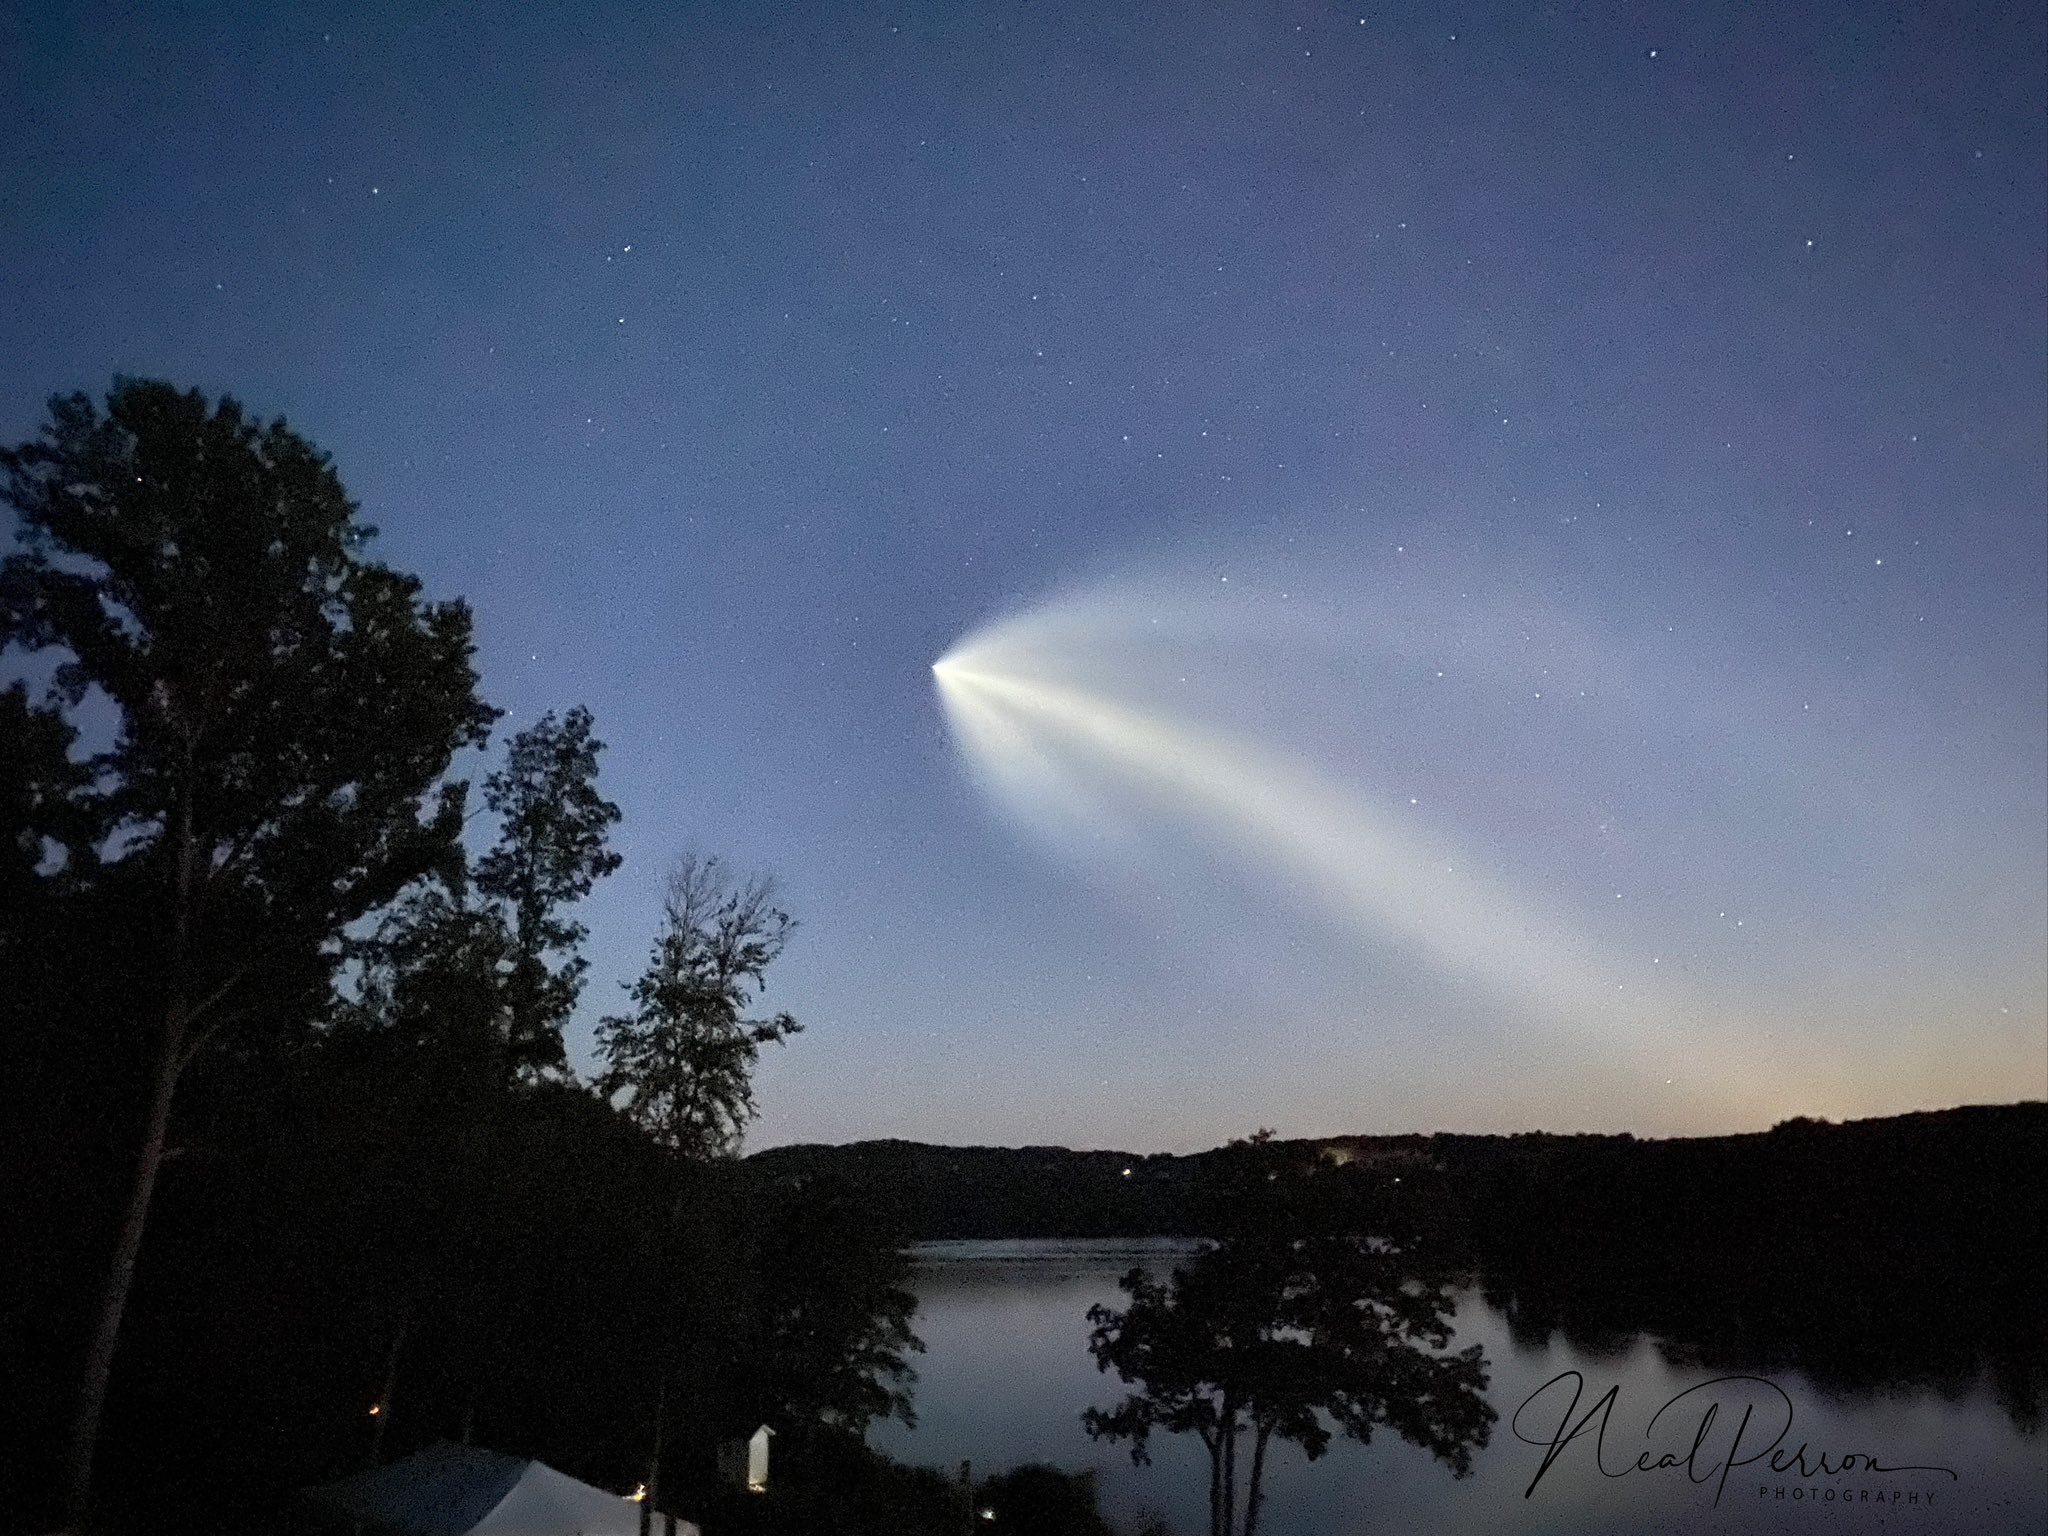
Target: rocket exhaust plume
{"x": 1057, "y": 715}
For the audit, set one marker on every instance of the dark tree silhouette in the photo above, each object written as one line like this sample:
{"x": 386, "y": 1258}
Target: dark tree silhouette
{"x": 483, "y": 971}
{"x": 431, "y": 982}
{"x": 550, "y": 851}
{"x": 826, "y": 1329}
{"x": 472, "y": 979}
{"x": 282, "y": 710}
{"x": 684, "y": 1057}
{"x": 1293, "y": 1315}
{"x": 38, "y": 783}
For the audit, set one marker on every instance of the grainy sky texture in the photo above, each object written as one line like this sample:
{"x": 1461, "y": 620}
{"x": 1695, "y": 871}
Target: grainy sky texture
{"x": 1602, "y": 448}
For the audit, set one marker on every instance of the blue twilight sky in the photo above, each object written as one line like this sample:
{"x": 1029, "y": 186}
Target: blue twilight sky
{"x": 1640, "y": 407}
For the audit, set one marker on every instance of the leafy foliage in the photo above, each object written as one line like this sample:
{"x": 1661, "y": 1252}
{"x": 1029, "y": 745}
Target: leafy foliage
{"x": 282, "y": 710}
{"x": 38, "y": 781}
{"x": 550, "y": 851}
{"x": 1293, "y": 1317}
{"x": 480, "y": 974}
{"x": 282, "y": 706}
{"x": 829, "y": 1325}
{"x": 432, "y": 982}
{"x": 684, "y": 1057}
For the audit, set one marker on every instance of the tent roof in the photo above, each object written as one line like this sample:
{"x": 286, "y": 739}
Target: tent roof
{"x": 545, "y": 1502}
{"x": 459, "y": 1490}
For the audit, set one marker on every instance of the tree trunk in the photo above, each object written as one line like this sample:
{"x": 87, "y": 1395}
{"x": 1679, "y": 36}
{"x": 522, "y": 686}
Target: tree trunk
{"x": 390, "y": 1386}
{"x": 1229, "y": 1472}
{"x": 1256, "y": 1493}
{"x": 664, "y": 1354}
{"x": 653, "y": 1490}
{"x": 170, "y": 1065}
{"x": 106, "y": 1333}
{"x": 1215, "y": 1486}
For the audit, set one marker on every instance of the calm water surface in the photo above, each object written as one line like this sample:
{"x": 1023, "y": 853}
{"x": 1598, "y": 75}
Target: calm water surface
{"x": 1007, "y": 1374}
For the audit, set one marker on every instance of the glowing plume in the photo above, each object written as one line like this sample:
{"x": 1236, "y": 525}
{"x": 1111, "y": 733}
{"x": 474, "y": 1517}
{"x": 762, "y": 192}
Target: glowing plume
{"x": 1058, "y": 755}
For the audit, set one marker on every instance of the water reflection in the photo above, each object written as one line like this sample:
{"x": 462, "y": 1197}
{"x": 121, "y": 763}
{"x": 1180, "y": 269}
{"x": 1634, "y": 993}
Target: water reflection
{"x": 1007, "y": 1374}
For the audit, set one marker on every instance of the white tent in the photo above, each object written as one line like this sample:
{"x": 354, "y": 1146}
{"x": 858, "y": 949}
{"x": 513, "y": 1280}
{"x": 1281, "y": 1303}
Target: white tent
{"x": 459, "y": 1490}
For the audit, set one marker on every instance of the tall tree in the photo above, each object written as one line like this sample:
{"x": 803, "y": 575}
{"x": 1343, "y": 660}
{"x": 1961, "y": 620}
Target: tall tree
{"x": 551, "y": 849}
{"x": 481, "y": 971}
{"x": 1293, "y": 1315}
{"x": 824, "y": 1330}
{"x": 282, "y": 709}
{"x": 684, "y": 1057}
{"x": 467, "y": 984}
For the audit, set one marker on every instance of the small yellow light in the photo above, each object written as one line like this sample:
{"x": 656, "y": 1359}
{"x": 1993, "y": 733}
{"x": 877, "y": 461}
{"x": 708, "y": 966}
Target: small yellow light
{"x": 639, "y": 1494}
{"x": 375, "y": 1409}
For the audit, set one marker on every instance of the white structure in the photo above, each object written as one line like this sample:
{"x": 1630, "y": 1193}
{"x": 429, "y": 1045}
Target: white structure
{"x": 746, "y": 1461}
{"x": 459, "y": 1490}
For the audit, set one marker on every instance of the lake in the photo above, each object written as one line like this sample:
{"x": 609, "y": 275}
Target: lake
{"x": 1007, "y": 1373}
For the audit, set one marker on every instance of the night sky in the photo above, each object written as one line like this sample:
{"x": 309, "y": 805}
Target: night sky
{"x": 1601, "y": 449}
